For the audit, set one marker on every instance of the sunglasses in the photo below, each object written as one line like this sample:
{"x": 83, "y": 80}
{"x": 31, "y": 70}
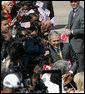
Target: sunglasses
{"x": 73, "y": 1}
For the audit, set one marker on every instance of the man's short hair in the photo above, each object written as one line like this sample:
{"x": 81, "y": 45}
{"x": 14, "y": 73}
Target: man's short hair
{"x": 16, "y": 50}
{"x": 53, "y": 33}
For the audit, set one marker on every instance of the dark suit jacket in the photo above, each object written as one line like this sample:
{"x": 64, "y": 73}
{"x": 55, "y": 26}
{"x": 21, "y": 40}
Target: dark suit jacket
{"x": 67, "y": 53}
{"x": 77, "y": 25}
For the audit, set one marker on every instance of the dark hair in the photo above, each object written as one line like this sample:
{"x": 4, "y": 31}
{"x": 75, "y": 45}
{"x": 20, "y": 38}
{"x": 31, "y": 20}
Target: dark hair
{"x": 14, "y": 10}
{"x": 25, "y": 18}
{"x": 45, "y": 35}
{"x": 26, "y": 3}
{"x": 49, "y": 59}
{"x": 46, "y": 59}
{"x": 19, "y": 32}
{"x": 33, "y": 28}
{"x": 16, "y": 51}
{"x": 72, "y": 1}
{"x": 31, "y": 16}
{"x": 19, "y": 29}
{"x": 3, "y": 16}
{"x": 55, "y": 78}
{"x": 47, "y": 49}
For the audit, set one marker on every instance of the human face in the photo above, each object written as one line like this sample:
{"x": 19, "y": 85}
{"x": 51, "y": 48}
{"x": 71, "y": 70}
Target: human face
{"x": 55, "y": 41}
{"x": 8, "y": 7}
{"x": 74, "y": 4}
{"x": 4, "y": 25}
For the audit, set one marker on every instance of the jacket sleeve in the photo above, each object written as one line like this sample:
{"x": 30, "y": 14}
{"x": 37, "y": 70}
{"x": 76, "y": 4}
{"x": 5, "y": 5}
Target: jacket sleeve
{"x": 80, "y": 29}
{"x": 74, "y": 60}
{"x": 69, "y": 20}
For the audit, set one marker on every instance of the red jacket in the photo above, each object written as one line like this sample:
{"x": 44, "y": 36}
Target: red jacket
{"x": 9, "y": 18}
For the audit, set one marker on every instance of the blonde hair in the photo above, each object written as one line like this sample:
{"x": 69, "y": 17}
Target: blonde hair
{"x": 79, "y": 80}
{"x": 3, "y": 3}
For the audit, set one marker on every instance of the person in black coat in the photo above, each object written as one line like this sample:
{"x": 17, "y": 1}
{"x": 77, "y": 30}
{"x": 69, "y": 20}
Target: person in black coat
{"x": 33, "y": 49}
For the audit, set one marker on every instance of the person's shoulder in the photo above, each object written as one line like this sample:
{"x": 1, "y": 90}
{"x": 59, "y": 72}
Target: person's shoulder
{"x": 65, "y": 44}
{"x": 81, "y": 12}
{"x": 71, "y": 12}
{"x": 81, "y": 8}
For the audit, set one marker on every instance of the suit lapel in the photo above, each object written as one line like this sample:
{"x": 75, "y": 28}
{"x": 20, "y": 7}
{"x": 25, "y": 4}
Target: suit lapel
{"x": 73, "y": 18}
{"x": 76, "y": 14}
{"x": 55, "y": 53}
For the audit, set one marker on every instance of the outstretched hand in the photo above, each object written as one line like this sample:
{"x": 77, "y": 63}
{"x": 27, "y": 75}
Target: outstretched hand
{"x": 68, "y": 32}
{"x": 37, "y": 69}
{"x": 67, "y": 78}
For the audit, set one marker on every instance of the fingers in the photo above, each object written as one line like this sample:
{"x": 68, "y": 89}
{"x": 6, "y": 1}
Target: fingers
{"x": 67, "y": 78}
{"x": 37, "y": 69}
{"x": 68, "y": 32}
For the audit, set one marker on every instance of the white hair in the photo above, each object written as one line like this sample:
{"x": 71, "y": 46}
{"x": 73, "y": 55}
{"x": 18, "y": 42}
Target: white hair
{"x": 63, "y": 65}
{"x": 55, "y": 33}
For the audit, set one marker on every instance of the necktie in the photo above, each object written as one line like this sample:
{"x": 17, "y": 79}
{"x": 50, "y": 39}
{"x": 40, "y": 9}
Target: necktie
{"x": 72, "y": 18}
{"x": 74, "y": 14}
{"x": 59, "y": 53}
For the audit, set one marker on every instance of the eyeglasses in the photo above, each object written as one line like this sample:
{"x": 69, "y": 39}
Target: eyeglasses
{"x": 73, "y": 1}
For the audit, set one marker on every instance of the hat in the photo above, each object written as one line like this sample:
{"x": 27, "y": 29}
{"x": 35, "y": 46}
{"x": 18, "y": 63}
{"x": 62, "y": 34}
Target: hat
{"x": 11, "y": 81}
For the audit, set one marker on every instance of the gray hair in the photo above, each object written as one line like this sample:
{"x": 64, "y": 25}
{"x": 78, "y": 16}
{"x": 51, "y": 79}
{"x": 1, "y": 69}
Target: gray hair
{"x": 53, "y": 33}
{"x": 63, "y": 65}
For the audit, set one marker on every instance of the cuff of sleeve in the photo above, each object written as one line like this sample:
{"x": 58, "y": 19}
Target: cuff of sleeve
{"x": 71, "y": 71}
{"x": 72, "y": 31}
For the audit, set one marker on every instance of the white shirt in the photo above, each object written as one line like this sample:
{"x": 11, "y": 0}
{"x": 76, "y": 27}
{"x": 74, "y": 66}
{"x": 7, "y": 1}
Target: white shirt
{"x": 51, "y": 87}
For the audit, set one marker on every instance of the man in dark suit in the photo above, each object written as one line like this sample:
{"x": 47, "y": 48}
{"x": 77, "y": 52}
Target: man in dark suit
{"x": 75, "y": 31}
{"x": 60, "y": 50}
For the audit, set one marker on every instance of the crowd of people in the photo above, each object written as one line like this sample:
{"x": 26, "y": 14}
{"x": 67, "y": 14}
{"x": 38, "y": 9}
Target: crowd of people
{"x": 28, "y": 47}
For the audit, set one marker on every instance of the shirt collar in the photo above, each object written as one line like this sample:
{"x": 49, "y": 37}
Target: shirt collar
{"x": 58, "y": 48}
{"x": 75, "y": 9}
